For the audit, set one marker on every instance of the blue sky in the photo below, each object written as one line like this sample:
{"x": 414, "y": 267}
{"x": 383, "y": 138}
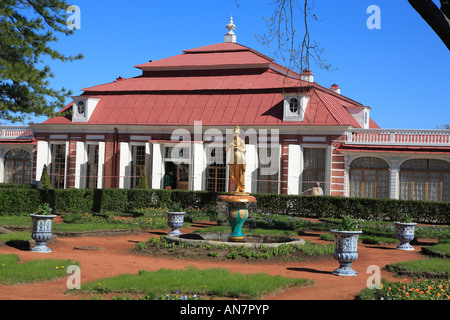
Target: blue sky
{"x": 401, "y": 70}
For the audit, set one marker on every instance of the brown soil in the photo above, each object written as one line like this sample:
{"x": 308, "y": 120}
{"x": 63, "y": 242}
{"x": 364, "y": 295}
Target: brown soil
{"x": 108, "y": 256}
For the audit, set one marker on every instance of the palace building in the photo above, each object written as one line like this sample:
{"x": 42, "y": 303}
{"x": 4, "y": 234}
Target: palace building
{"x": 175, "y": 120}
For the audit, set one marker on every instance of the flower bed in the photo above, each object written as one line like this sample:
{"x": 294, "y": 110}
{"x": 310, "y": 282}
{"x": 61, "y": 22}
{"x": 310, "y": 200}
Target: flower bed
{"x": 411, "y": 290}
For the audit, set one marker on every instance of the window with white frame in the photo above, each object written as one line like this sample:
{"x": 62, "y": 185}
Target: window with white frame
{"x": 91, "y": 177}
{"x": 216, "y": 170}
{"x": 58, "y": 166}
{"x": 268, "y": 173}
{"x": 137, "y": 163}
{"x": 295, "y": 107}
{"x": 314, "y": 164}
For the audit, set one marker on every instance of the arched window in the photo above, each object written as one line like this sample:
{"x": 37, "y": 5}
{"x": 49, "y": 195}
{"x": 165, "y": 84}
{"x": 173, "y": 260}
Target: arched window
{"x": 425, "y": 179}
{"x": 369, "y": 177}
{"x": 293, "y": 105}
{"x": 18, "y": 167}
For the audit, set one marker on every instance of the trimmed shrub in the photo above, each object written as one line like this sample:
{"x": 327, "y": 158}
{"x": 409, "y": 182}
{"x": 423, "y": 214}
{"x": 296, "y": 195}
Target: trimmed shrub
{"x": 74, "y": 200}
{"x": 17, "y": 186}
{"x": 16, "y": 201}
{"x": 142, "y": 183}
{"x": 140, "y": 198}
{"x": 114, "y": 199}
{"x": 45, "y": 179}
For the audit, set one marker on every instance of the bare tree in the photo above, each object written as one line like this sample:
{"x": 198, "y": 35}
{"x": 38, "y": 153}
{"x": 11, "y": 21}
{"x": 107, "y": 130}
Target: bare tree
{"x": 298, "y": 55}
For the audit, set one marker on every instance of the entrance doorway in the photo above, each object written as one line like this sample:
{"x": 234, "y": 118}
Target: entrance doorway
{"x": 179, "y": 175}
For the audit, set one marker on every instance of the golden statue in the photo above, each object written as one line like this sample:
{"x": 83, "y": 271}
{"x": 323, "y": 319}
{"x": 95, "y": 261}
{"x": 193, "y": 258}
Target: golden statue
{"x": 237, "y": 161}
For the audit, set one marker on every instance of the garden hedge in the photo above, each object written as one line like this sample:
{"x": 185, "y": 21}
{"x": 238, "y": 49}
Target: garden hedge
{"x": 24, "y": 200}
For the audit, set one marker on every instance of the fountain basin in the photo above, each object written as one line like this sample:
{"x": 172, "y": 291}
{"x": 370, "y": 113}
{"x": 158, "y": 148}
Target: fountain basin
{"x": 221, "y": 238}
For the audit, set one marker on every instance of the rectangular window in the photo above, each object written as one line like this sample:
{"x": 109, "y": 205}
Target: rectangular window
{"x": 268, "y": 170}
{"x": 137, "y": 163}
{"x": 58, "y": 166}
{"x": 92, "y": 166}
{"x": 216, "y": 170}
{"x": 313, "y": 167}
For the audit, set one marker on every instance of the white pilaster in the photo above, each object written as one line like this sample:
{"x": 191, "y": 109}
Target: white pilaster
{"x": 101, "y": 163}
{"x": 124, "y": 165}
{"x": 80, "y": 169}
{"x": 198, "y": 166}
{"x": 157, "y": 166}
{"x": 394, "y": 182}
{"x": 42, "y": 157}
{"x": 294, "y": 169}
{"x": 346, "y": 177}
{"x": 251, "y": 158}
{"x": 2, "y": 164}
{"x": 328, "y": 174}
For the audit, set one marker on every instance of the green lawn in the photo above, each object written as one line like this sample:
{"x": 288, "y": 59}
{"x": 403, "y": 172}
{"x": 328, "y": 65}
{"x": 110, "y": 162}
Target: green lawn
{"x": 12, "y": 272}
{"x": 431, "y": 266}
{"x": 20, "y": 235}
{"x": 209, "y": 282}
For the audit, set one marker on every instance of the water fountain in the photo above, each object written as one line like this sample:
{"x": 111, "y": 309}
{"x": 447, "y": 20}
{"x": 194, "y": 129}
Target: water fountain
{"x": 236, "y": 204}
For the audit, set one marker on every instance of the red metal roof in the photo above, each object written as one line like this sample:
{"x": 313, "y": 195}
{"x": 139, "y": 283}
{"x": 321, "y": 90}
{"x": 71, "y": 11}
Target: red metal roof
{"x": 256, "y": 108}
{"x": 218, "y": 60}
{"x": 225, "y": 84}
{"x": 269, "y": 79}
{"x": 220, "y": 55}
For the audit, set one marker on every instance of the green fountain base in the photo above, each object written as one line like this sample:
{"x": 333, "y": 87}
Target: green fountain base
{"x": 237, "y": 213}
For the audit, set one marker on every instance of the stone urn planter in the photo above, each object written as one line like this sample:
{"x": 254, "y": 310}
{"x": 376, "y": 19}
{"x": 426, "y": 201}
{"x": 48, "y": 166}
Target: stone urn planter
{"x": 404, "y": 231}
{"x": 42, "y": 225}
{"x": 346, "y": 246}
{"x": 345, "y": 251}
{"x": 175, "y": 219}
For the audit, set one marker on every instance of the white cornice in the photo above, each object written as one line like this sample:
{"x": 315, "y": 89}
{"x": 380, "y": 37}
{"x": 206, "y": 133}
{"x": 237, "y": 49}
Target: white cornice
{"x": 166, "y": 129}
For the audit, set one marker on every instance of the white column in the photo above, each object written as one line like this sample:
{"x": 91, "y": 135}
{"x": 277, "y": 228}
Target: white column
{"x": 198, "y": 165}
{"x": 101, "y": 164}
{"x": 157, "y": 166}
{"x": 42, "y": 157}
{"x": 294, "y": 168}
{"x": 124, "y": 165}
{"x": 80, "y": 169}
{"x": 394, "y": 182}
{"x": 2, "y": 168}
{"x": 251, "y": 158}
{"x": 346, "y": 178}
{"x": 148, "y": 160}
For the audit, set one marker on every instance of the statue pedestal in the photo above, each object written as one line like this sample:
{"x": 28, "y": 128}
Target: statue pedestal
{"x": 237, "y": 213}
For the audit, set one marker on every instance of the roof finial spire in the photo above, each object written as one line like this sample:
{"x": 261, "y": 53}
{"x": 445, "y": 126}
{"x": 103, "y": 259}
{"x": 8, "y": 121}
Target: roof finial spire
{"x": 230, "y": 36}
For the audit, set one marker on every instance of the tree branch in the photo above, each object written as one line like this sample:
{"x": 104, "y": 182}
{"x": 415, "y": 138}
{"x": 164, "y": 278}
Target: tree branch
{"x": 437, "y": 19}
{"x": 281, "y": 27}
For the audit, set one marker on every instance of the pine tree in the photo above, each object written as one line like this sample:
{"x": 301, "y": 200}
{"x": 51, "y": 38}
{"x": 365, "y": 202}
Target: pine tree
{"x": 45, "y": 179}
{"x": 142, "y": 183}
{"x": 27, "y": 28}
